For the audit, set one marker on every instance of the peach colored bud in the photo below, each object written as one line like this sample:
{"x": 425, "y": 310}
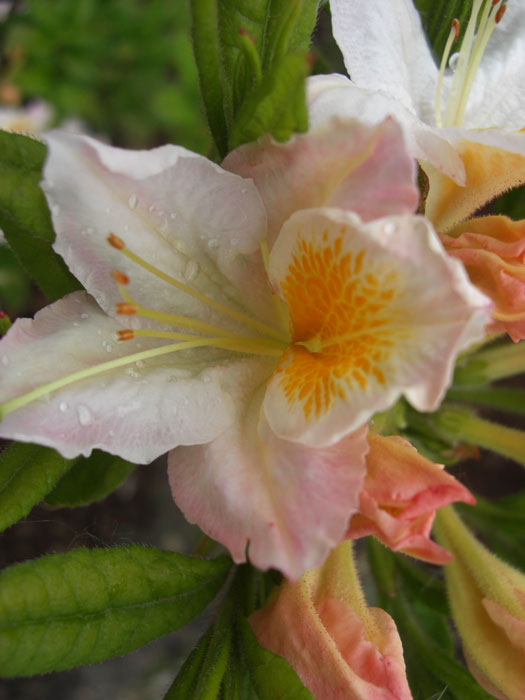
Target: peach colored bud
{"x": 487, "y": 599}
{"x": 340, "y": 648}
{"x": 492, "y": 248}
{"x": 400, "y": 495}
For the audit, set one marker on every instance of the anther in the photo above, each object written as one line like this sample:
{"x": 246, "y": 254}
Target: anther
{"x": 125, "y": 334}
{"x": 116, "y": 242}
{"x": 126, "y": 309}
{"x": 455, "y": 27}
{"x": 500, "y": 13}
{"x": 119, "y": 277}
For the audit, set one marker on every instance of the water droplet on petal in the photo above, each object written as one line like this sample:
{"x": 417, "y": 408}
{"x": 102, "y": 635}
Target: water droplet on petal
{"x": 84, "y": 316}
{"x": 213, "y": 243}
{"x": 5, "y": 360}
{"x": 107, "y": 210}
{"x": 63, "y": 406}
{"x": 109, "y": 347}
{"x": 84, "y": 415}
{"x": 389, "y": 228}
{"x": 453, "y": 61}
{"x": 191, "y": 270}
{"x": 151, "y": 208}
{"x": 173, "y": 216}
{"x": 132, "y": 201}
{"x": 139, "y": 363}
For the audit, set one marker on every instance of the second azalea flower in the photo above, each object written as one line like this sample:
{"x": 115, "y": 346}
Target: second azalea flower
{"x": 253, "y": 324}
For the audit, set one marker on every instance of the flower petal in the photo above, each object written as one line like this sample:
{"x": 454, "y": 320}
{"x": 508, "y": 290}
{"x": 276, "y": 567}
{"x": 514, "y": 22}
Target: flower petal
{"x": 339, "y": 647}
{"x": 288, "y": 503}
{"x": 177, "y": 210}
{"x": 138, "y": 411}
{"x": 492, "y": 248}
{"x": 376, "y": 310}
{"x": 401, "y": 493}
{"x": 494, "y": 162}
{"x": 342, "y": 163}
{"x": 385, "y": 49}
{"x": 335, "y": 95}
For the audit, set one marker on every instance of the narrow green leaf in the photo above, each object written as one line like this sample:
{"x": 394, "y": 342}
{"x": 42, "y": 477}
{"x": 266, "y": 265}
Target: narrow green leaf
{"x": 207, "y": 50}
{"x": 268, "y": 108}
{"x": 64, "y": 610}
{"x": 505, "y": 398}
{"x": 27, "y": 474}
{"x": 272, "y": 676}
{"x": 90, "y": 479}
{"x": 202, "y": 674}
{"x": 24, "y": 215}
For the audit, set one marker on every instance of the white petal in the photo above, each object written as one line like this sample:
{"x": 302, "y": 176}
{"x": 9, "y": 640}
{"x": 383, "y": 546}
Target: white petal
{"x": 385, "y": 50}
{"x": 176, "y": 209}
{"x": 138, "y": 411}
{"x": 330, "y": 95}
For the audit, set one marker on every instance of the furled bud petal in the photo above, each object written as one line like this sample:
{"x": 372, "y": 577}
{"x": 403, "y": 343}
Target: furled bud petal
{"x": 492, "y": 249}
{"x": 341, "y": 649}
{"x": 400, "y": 496}
{"x": 487, "y": 598}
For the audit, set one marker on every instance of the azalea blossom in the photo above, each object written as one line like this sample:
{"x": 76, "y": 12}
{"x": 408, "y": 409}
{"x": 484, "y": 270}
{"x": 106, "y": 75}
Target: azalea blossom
{"x": 463, "y": 125}
{"x": 340, "y": 648}
{"x": 253, "y": 324}
{"x": 400, "y": 495}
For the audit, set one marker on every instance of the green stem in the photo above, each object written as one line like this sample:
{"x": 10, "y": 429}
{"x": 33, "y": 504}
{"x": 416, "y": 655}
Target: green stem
{"x": 505, "y": 398}
{"x": 489, "y": 364}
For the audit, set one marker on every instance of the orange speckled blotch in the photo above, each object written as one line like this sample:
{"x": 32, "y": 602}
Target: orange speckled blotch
{"x": 343, "y": 323}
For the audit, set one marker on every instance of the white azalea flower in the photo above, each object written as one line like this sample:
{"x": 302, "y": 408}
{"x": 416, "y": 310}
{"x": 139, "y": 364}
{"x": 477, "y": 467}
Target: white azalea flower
{"x": 462, "y": 126}
{"x": 248, "y": 320}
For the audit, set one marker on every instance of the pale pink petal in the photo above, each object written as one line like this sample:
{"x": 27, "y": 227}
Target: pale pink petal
{"x": 385, "y": 49}
{"x": 180, "y": 212}
{"x": 342, "y": 163}
{"x": 138, "y": 411}
{"x": 282, "y": 503}
{"x": 340, "y": 648}
{"x": 336, "y": 95}
{"x": 377, "y": 310}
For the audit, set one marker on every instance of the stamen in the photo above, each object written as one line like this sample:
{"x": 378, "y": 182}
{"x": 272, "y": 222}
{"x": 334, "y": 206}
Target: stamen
{"x": 262, "y": 327}
{"x": 280, "y": 307}
{"x": 125, "y": 334}
{"x": 120, "y": 277}
{"x": 116, "y": 242}
{"x": 224, "y": 343}
{"x": 233, "y": 342}
{"x": 127, "y": 309}
{"x": 452, "y": 37}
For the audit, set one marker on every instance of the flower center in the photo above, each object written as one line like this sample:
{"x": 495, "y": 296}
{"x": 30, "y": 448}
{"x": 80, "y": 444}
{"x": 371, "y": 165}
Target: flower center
{"x": 468, "y": 59}
{"x": 268, "y": 341}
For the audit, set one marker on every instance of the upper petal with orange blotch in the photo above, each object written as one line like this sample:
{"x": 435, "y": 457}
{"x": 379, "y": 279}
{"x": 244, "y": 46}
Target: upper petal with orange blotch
{"x": 376, "y": 310}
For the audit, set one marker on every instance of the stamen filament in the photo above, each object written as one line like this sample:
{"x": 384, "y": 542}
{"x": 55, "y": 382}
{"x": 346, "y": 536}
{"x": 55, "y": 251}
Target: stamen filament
{"x": 262, "y": 327}
{"x": 277, "y": 301}
{"x": 235, "y": 341}
{"x": 462, "y": 67}
{"x": 452, "y": 37}
{"x": 224, "y": 343}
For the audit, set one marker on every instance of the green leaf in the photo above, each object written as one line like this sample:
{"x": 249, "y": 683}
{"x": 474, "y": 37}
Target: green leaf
{"x": 24, "y": 215}
{"x": 505, "y": 398}
{"x": 272, "y": 676}
{"x": 276, "y": 106}
{"x": 64, "y": 610}
{"x": 27, "y": 474}
{"x": 230, "y": 72}
{"x": 90, "y": 479}
{"x": 201, "y": 676}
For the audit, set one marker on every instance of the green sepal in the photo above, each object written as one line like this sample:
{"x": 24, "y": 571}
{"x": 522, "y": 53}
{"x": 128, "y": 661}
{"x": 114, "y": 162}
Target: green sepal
{"x": 276, "y": 106}
{"x": 27, "y": 474}
{"x": 87, "y": 605}
{"x": 271, "y": 676}
{"x": 24, "y": 215}
{"x": 90, "y": 479}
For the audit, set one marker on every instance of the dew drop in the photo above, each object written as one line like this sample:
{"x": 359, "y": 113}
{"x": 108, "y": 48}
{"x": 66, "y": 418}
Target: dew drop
{"x": 151, "y": 208}
{"x": 63, "y": 406}
{"x": 389, "y": 228}
{"x": 453, "y": 61}
{"x": 173, "y": 216}
{"x": 84, "y": 415}
{"x": 107, "y": 210}
{"x": 139, "y": 363}
{"x": 213, "y": 243}
{"x": 132, "y": 201}
{"x": 5, "y": 360}
{"x": 191, "y": 270}
{"x": 109, "y": 347}
{"x": 84, "y": 316}
{"x": 244, "y": 191}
